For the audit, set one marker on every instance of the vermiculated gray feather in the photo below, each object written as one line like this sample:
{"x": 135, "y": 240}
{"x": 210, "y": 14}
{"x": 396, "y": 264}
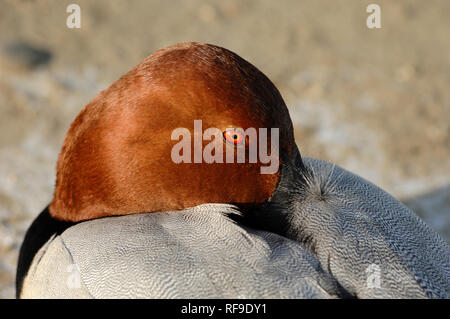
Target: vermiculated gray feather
{"x": 335, "y": 229}
{"x": 195, "y": 253}
{"x": 352, "y": 225}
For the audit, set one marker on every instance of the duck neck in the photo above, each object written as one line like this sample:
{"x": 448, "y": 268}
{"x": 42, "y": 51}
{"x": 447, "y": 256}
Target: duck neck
{"x": 276, "y": 213}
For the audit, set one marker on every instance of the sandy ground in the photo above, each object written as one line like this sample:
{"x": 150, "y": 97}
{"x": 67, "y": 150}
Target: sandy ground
{"x": 374, "y": 101}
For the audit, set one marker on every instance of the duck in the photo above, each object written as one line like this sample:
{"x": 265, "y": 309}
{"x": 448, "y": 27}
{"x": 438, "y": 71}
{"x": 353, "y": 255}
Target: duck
{"x": 128, "y": 220}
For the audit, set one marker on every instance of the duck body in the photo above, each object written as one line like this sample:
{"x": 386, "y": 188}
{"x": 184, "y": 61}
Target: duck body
{"x": 126, "y": 221}
{"x": 195, "y": 253}
{"x": 344, "y": 227}
{"x": 359, "y": 232}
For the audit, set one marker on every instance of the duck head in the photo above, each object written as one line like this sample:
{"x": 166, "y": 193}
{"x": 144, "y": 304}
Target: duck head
{"x": 117, "y": 157}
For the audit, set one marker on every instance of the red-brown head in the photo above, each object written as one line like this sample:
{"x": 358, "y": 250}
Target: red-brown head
{"x": 116, "y": 158}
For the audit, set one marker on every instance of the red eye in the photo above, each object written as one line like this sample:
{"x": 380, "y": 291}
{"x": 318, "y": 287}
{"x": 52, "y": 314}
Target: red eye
{"x": 233, "y": 137}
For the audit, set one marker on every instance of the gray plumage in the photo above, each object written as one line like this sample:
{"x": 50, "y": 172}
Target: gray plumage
{"x": 354, "y": 228}
{"x": 196, "y": 253}
{"x": 339, "y": 232}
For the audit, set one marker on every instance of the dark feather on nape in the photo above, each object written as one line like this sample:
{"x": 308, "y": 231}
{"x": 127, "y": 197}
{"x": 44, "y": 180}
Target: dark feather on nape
{"x": 274, "y": 214}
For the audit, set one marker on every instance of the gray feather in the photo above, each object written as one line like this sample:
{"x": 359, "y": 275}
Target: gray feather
{"x": 356, "y": 228}
{"x": 340, "y": 232}
{"x": 195, "y": 253}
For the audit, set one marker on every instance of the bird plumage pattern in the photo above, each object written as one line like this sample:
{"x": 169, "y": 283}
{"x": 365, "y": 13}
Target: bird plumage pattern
{"x": 340, "y": 225}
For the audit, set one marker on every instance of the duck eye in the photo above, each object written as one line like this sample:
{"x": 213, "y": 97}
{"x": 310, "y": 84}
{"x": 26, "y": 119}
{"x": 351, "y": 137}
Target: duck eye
{"x": 233, "y": 137}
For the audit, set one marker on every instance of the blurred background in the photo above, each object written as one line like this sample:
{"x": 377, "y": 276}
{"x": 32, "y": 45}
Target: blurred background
{"x": 374, "y": 101}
